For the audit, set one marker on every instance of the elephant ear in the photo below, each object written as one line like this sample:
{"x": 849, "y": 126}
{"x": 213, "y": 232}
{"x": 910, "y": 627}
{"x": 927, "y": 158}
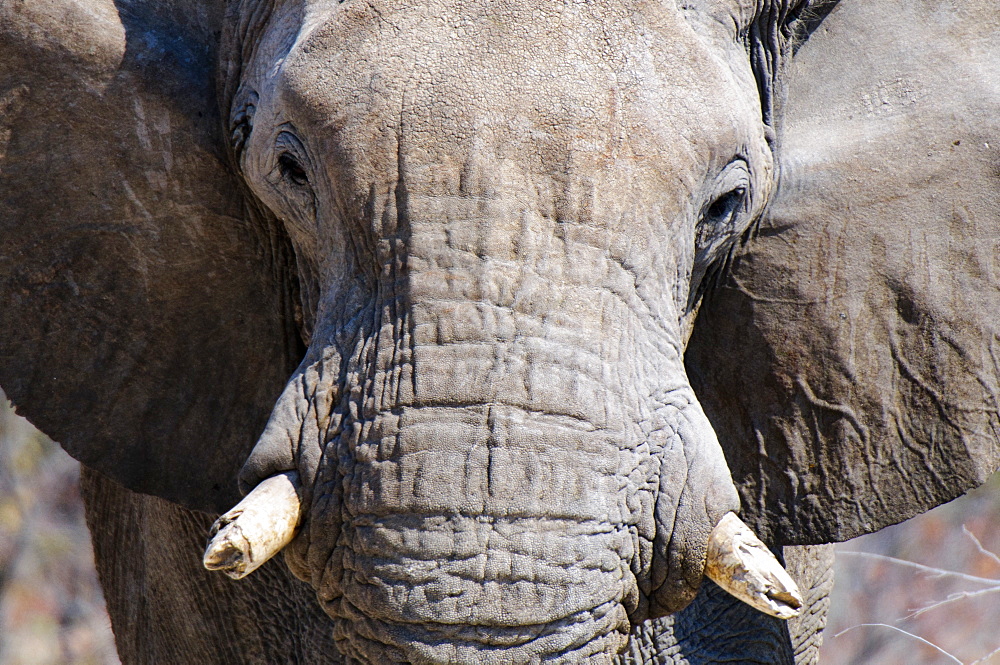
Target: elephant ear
{"x": 850, "y": 362}
{"x": 143, "y": 317}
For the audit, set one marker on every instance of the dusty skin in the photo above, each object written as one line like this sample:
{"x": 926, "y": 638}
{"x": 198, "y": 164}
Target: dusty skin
{"x": 530, "y": 296}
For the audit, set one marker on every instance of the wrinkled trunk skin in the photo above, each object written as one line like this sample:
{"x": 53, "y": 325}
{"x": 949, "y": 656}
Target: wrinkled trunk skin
{"x": 514, "y": 465}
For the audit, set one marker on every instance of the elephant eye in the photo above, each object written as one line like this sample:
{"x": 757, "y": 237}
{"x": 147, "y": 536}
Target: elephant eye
{"x": 291, "y": 170}
{"x": 721, "y": 224}
{"x": 726, "y": 206}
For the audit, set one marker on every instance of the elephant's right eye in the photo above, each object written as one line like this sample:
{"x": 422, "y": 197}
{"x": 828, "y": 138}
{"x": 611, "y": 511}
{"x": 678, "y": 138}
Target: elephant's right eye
{"x": 291, "y": 170}
{"x": 721, "y": 223}
{"x": 725, "y": 216}
{"x": 726, "y": 206}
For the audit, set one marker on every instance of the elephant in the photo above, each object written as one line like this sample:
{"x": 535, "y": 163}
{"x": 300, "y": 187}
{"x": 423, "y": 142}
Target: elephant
{"x": 528, "y": 294}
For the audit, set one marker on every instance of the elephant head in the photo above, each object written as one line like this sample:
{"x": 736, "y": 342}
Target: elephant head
{"x": 448, "y": 258}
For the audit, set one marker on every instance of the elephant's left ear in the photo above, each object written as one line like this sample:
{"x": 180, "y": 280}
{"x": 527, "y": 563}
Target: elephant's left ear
{"x": 851, "y": 362}
{"x": 143, "y": 315}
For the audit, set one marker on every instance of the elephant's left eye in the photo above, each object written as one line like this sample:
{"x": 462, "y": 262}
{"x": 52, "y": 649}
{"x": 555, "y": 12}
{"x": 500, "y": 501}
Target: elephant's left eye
{"x": 291, "y": 170}
{"x": 292, "y": 159}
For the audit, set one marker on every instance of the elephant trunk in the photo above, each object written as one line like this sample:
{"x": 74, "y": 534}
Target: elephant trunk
{"x": 484, "y": 500}
{"x": 499, "y": 448}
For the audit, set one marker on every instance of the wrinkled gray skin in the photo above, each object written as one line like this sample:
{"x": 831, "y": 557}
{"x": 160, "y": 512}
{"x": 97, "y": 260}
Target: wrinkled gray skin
{"x": 493, "y": 419}
{"x": 476, "y": 235}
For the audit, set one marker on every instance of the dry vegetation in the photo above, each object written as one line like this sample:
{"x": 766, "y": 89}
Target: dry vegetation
{"x": 921, "y": 593}
{"x": 51, "y": 607}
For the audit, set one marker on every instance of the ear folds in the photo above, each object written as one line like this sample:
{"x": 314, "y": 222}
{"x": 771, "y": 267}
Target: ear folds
{"x": 851, "y": 364}
{"x": 142, "y": 315}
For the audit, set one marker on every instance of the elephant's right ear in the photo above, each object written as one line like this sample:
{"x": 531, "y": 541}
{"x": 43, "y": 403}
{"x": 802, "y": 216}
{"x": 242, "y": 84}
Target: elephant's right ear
{"x": 851, "y": 363}
{"x": 143, "y": 319}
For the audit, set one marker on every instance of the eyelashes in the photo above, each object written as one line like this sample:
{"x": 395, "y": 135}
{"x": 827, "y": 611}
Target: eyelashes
{"x": 292, "y": 160}
{"x": 292, "y": 171}
{"x": 724, "y": 208}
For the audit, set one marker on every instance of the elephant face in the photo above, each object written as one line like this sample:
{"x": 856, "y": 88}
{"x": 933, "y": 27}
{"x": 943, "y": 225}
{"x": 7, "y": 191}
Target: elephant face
{"x": 447, "y": 258}
{"x": 493, "y": 418}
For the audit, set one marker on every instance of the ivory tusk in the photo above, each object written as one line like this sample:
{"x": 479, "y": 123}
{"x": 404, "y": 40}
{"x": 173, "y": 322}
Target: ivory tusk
{"x": 257, "y": 528}
{"x": 742, "y": 565}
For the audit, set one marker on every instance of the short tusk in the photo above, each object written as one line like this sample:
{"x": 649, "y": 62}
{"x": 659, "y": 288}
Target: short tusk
{"x": 257, "y": 528}
{"x": 742, "y": 565}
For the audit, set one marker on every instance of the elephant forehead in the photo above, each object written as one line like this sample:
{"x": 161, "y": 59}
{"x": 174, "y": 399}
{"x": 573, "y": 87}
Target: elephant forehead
{"x": 548, "y": 78}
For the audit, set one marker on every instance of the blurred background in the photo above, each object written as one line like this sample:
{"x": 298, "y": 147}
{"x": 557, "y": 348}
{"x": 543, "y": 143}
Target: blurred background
{"x": 924, "y": 592}
{"x": 51, "y": 607}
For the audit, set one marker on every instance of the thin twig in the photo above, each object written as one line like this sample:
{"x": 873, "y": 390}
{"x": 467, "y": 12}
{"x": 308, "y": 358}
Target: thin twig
{"x": 936, "y": 572}
{"x": 900, "y": 630}
{"x": 961, "y": 595}
{"x": 979, "y": 546}
{"x": 986, "y": 657}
